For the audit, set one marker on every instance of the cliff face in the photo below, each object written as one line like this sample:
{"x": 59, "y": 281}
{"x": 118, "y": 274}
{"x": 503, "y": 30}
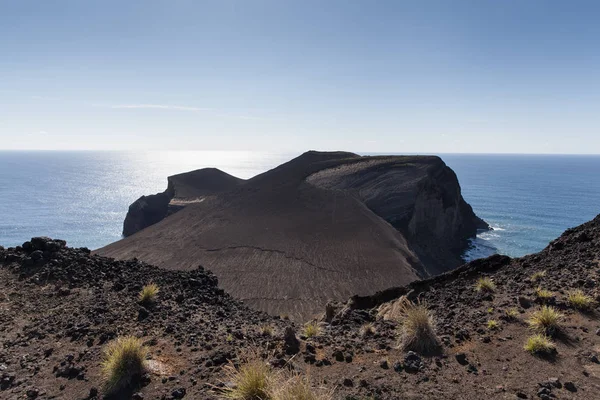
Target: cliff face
{"x": 322, "y": 226}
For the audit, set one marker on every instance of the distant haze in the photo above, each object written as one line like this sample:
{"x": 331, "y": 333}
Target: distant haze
{"x": 388, "y": 76}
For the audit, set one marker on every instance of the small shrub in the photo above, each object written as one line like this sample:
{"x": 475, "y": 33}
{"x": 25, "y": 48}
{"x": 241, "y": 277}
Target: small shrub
{"x": 536, "y": 276}
{"x": 311, "y": 329}
{"x": 229, "y": 338}
{"x": 148, "y": 293}
{"x": 417, "y": 328}
{"x": 367, "y": 330}
{"x": 492, "y": 325}
{"x": 545, "y": 320}
{"x": 485, "y": 285}
{"x": 252, "y": 380}
{"x": 539, "y": 344}
{"x": 543, "y": 294}
{"x": 512, "y": 314}
{"x": 490, "y": 310}
{"x": 124, "y": 361}
{"x": 580, "y": 300}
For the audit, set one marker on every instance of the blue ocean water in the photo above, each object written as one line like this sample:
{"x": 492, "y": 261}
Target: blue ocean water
{"x": 83, "y": 197}
{"x": 529, "y": 200}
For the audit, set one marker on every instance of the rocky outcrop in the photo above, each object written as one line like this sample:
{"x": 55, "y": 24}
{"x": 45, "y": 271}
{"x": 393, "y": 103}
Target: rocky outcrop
{"x": 182, "y": 190}
{"x": 321, "y": 226}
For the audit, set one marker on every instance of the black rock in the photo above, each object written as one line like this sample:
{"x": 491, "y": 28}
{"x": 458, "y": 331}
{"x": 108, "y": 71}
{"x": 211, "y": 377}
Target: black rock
{"x": 397, "y": 366}
{"x": 412, "y": 362}
{"x": 292, "y": 344}
{"x": 570, "y": 386}
{"x": 338, "y": 355}
{"x": 462, "y": 359}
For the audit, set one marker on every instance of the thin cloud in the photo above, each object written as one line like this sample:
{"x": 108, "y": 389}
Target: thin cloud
{"x": 161, "y": 107}
{"x": 214, "y": 111}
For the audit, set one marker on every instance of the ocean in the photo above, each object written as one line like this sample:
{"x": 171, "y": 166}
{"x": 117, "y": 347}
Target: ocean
{"x": 83, "y": 197}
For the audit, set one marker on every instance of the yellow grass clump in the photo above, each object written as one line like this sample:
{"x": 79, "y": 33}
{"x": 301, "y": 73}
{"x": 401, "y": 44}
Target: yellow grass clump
{"x": 417, "y": 327}
{"x": 492, "y": 324}
{"x": 543, "y": 294}
{"x": 311, "y": 329}
{"x": 545, "y": 320}
{"x": 252, "y": 380}
{"x": 580, "y": 300}
{"x": 539, "y": 344}
{"x": 124, "y": 361}
{"x": 512, "y": 313}
{"x": 148, "y": 293}
{"x": 367, "y": 330}
{"x": 485, "y": 285}
{"x": 536, "y": 276}
{"x": 266, "y": 330}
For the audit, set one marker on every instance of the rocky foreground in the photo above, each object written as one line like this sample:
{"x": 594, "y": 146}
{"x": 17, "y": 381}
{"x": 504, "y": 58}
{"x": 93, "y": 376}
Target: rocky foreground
{"x": 61, "y": 306}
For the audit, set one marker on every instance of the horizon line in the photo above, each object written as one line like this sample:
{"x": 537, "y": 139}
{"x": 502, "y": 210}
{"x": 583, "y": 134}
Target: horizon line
{"x": 290, "y": 152}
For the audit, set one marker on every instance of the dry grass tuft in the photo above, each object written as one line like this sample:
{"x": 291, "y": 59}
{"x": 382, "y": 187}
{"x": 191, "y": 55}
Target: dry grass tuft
{"x": 299, "y": 387}
{"x": 367, "y": 330}
{"x": 311, "y": 329}
{"x": 539, "y": 344}
{"x": 417, "y": 328}
{"x": 492, "y": 324}
{"x": 543, "y": 294}
{"x": 254, "y": 379}
{"x": 485, "y": 285}
{"x": 266, "y": 330}
{"x": 250, "y": 381}
{"x": 580, "y": 300}
{"x": 545, "y": 320}
{"x": 124, "y": 361}
{"x": 148, "y": 293}
{"x": 536, "y": 276}
{"x": 391, "y": 311}
{"x": 512, "y": 314}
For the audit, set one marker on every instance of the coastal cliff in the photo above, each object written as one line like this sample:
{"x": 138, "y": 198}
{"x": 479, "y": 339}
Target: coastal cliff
{"x": 419, "y": 196}
{"x": 322, "y": 226}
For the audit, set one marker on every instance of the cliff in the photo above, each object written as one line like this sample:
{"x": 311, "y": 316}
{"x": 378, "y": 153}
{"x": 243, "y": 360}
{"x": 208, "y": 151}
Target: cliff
{"x": 322, "y": 226}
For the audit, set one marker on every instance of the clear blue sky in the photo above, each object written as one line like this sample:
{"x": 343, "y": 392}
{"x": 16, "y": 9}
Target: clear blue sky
{"x": 370, "y": 76}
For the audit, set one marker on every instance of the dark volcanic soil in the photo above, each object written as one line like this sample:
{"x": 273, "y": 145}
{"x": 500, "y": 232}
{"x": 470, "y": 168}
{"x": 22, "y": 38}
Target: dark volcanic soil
{"x": 60, "y": 306}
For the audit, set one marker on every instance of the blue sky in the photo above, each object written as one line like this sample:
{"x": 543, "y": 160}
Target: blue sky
{"x": 369, "y": 76}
